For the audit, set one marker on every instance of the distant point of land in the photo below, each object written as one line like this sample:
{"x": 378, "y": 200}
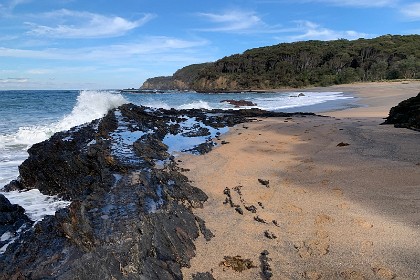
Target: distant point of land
{"x": 301, "y": 64}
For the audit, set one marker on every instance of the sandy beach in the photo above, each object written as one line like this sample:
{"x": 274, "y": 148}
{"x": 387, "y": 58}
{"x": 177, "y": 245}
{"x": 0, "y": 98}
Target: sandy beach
{"x": 286, "y": 196}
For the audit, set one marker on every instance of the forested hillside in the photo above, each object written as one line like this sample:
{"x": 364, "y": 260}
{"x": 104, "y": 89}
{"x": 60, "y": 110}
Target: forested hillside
{"x": 309, "y": 63}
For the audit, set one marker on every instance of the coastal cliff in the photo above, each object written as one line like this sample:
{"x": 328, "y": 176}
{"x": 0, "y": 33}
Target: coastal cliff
{"x": 180, "y": 80}
{"x": 302, "y": 64}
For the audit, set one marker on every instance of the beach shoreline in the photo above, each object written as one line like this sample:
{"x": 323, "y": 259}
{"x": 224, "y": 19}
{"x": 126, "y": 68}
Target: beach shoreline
{"x": 342, "y": 202}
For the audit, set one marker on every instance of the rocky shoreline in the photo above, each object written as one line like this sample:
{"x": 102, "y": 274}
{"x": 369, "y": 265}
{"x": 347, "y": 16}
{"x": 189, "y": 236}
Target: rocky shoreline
{"x": 131, "y": 211}
{"x": 406, "y": 114}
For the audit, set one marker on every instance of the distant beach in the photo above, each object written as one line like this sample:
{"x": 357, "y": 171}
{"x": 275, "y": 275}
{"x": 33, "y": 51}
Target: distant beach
{"x": 342, "y": 197}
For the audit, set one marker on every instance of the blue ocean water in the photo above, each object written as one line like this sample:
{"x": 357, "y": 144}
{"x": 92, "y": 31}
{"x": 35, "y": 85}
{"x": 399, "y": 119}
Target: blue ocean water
{"x": 28, "y": 117}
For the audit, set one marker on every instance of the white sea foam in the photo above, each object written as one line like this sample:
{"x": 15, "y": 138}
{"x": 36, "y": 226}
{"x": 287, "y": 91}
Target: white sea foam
{"x": 293, "y": 100}
{"x": 36, "y": 204}
{"x": 91, "y": 105}
{"x": 276, "y": 101}
{"x": 199, "y": 104}
{"x": 196, "y": 105}
{"x": 9, "y": 162}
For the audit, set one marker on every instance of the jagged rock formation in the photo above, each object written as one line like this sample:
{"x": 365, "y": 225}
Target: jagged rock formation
{"x": 12, "y": 220}
{"x": 130, "y": 216}
{"x": 238, "y": 103}
{"x": 406, "y": 114}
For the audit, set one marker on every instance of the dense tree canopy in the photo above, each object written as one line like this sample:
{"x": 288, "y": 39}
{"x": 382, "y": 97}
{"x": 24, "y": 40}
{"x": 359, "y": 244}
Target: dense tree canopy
{"x": 309, "y": 63}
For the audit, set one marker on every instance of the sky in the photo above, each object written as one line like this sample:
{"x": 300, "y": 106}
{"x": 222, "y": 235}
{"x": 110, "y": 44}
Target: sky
{"x": 104, "y": 44}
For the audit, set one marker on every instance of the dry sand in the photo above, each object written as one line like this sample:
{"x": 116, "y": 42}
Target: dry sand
{"x": 329, "y": 212}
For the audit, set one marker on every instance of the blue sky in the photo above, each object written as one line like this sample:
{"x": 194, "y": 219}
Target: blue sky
{"x": 103, "y": 44}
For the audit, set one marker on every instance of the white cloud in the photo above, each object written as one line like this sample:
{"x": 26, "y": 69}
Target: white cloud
{"x": 75, "y": 24}
{"x": 8, "y": 38}
{"x": 23, "y": 83}
{"x": 7, "y": 71}
{"x": 22, "y": 53}
{"x": 14, "y": 80}
{"x": 412, "y": 11}
{"x": 39, "y": 71}
{"x": 59, "y": 70}
{"x": 313, "y": 31}
{"x": 358, "y": 3}
{"x": 232, "y": 21}
{"x": 236, "y": 21}
{"x": 149, "y": 49}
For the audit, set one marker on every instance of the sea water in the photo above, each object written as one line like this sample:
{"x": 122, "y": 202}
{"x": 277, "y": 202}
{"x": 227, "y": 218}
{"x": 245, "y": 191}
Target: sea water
{"x": 29, "y": 117}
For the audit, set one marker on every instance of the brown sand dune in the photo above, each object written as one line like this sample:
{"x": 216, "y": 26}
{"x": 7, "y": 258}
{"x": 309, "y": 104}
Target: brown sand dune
{"x": 328, "y": 212}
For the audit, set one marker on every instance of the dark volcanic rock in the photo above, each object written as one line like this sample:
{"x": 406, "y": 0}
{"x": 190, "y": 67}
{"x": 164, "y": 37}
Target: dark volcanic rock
{"x": 12, "y": 218}
{"x": 406, "y": 114}
{"x": 207, "y": 234}
{"x": 264, "y": 182}
{"x": 130, "y": 215}
{"x": 342, "y": 144}
{"x": 14, "y": 185}
{"x": 59, "y": 166}
{"x": 269, "y": 234}
{"x": 203, "y": 276}
{"x": 266, "y": 271}
{"x": 251, "y": 208}
{"x": 239, "y": 103}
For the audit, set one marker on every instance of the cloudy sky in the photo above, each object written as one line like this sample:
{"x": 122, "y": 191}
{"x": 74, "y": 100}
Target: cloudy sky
{"x": 103, "y": 44}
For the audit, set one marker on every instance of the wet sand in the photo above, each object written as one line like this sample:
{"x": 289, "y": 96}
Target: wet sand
{"x": 328, "y": 212}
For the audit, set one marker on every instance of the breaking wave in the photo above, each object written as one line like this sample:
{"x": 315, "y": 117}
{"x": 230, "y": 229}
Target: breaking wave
{"x": 90, "y": 105}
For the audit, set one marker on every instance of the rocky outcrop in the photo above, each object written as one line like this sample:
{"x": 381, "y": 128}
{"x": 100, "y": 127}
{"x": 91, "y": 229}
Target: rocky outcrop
{"x": 12, "y": 221}
{"x": 165, "y": 83}
{"x": 238, "y": 103}
{"x": 131, "y": 211}
{"x": 182, "y": 79}
{"x": 406, "y": 114}
{"x": 161, "y": 83}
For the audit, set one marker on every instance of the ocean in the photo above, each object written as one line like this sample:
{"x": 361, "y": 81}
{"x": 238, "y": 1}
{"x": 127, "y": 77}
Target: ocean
{"x": 31, "y": 116}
